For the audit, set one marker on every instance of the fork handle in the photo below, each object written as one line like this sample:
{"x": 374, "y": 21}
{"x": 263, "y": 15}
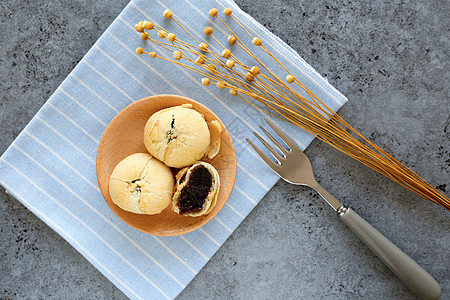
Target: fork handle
{"x": 416, "y": 278}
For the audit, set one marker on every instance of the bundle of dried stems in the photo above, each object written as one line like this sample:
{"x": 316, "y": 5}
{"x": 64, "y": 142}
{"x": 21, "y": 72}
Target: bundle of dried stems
{"x": 277, "y": 97}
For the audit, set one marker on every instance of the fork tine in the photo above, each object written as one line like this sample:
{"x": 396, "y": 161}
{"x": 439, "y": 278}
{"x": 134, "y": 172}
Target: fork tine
{"x": 267, "y": 160}
{"x": 271, "y": 150}
{"x": 277, "y": 143}
{"x": 284, "y": 137}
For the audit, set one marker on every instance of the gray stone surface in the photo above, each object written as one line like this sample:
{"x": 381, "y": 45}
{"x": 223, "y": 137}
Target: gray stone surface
{"x": 389, "y": 57}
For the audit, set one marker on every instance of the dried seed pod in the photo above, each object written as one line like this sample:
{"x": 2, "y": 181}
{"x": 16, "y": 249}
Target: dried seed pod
{"x": 200, "y": 60}
{"x": 168, "y": 14}
{"x": 196, "y": 190}
{"x": 290, "y": 78}
{"x": 141, "y": 184}
{"x": 256, "y": 41}
{"x": 226, "y": 53}
{"x": 249, "y": 77}
{"x": 220, "y": 84}
{"x": 162, "y": 34}
{"x": 232, "y": 39}
{"x": 213, "y": 12}
{"x": 139, "y": 27}
{"x": 177, "y": 55}
{"x": 227, "y": 12}
{"x": 230, "y": 63}
{"x": 208, "y": 30}
{"x": 139, "y": 50}
{"x": 145, "y": 36}
{"x": 148, "y": 25}
{"x": 206, "y": 81}
{"x": 171, "y": 37}
{"x": 255, "y": 70}
{"x": 203, "y": 47}
{"x": 233, "y": 92}
{"x": 152, "y": 54}
{"x": 212, "y": 68}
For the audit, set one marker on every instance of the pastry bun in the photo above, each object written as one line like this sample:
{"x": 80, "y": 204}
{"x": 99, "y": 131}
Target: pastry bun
{"x": 141, "y": 184}
{"x": 178, "y": 136}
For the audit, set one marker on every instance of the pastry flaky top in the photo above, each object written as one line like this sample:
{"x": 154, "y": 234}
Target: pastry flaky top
{"x": 180, "y": 136}
{"x": 141, "y": 184}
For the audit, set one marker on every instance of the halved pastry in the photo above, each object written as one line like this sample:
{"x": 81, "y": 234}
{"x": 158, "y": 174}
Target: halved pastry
{"x": 196, "y": 190}
{"x": 141, "y": 184}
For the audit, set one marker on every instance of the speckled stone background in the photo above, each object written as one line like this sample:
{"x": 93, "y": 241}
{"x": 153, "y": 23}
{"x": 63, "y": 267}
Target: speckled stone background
{"x": 389, "y": 57}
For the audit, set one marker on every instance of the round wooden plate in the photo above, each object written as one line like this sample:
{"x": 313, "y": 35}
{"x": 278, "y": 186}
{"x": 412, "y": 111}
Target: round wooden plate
{"x": 124, "y": 136}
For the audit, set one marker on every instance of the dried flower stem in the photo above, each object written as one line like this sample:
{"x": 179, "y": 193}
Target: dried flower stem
{"x": 279, "y": 99}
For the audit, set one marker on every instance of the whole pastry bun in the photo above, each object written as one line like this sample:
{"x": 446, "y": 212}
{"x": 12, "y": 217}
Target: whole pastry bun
{"x": 177, "y": 136}
{"x": 196, "y": 190}
{"x": 141, "y": 184}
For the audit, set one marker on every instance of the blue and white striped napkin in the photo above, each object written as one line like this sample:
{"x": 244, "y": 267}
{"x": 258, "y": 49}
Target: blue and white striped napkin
{"x": 50, "y": 167}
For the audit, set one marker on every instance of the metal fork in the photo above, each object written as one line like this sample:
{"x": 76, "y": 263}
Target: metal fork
{"x": 294, "y": 167}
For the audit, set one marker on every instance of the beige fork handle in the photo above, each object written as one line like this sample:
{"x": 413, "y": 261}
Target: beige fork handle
{"x": 416, "y": 278}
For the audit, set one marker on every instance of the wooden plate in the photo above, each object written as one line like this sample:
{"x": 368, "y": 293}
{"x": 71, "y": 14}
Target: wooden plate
{"x": 124, "y": 136}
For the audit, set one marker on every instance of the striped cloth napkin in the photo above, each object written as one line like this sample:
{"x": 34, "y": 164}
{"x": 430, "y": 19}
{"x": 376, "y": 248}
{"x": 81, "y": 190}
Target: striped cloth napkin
{"x": 50, "y": 167}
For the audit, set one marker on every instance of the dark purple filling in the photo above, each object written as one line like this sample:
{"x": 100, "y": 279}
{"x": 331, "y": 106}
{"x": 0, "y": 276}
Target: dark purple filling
{"x": 193, "y": 195}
